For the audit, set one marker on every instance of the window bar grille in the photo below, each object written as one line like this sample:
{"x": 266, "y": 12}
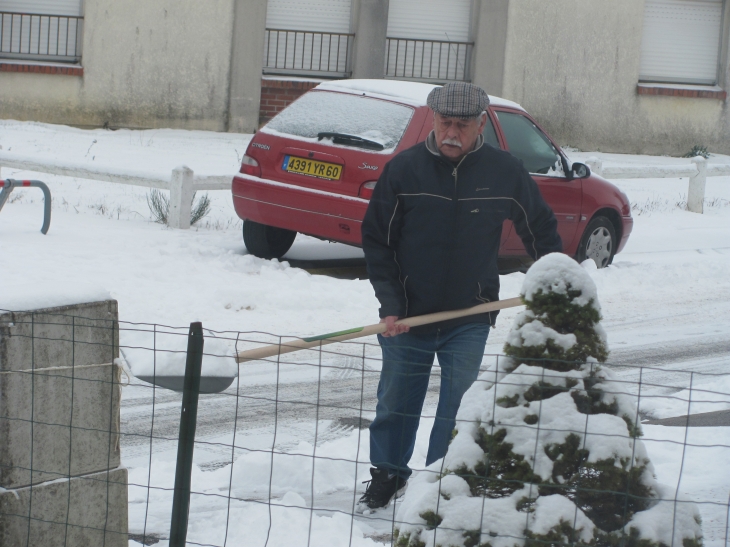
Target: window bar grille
{"x": 339, "y": 40}
{"x": 320, "y": 53}
{"x": 335, "y": 59}
{"x": 68, "y": 28}
{"x": 11, "y": 30}
{"x": 276, "y": 57}
{"x": 311, "y": 53}
{"x": 451, "y": 65}
{"x": 286, "y": 49}
{"x": 20, "y": 31}
{"x": 387, "y": 57}
{"x": 294, "y": 55}
{"x": 413, "y": 59}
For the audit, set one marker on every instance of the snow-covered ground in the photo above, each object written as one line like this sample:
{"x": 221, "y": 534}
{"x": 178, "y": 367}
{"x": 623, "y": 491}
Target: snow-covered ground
{"x": 666, "y": 304}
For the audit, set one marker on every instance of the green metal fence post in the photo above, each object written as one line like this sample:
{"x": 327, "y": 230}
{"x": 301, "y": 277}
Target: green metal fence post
{"x": 186, "y": 440}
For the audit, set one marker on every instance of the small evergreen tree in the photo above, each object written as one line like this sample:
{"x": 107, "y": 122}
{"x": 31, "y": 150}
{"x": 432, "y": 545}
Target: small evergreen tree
{"x": 546, "y": 450}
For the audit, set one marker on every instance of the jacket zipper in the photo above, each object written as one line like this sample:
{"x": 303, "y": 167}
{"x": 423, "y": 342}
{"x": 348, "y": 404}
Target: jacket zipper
{"x": 455, "y": 172}
{"x": 485, "y": 301}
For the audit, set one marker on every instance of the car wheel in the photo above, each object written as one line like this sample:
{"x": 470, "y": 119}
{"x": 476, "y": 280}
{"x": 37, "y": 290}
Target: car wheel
{"x": 266, "y": 241}
{"x": 598, "y": 242}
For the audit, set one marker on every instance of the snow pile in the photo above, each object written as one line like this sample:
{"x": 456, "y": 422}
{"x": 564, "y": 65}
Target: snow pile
{"x": 550, "y": 453}
{"x": 271, "y": 497}
{"x": 24, "y": 296}
{"x": 415, "y": 93}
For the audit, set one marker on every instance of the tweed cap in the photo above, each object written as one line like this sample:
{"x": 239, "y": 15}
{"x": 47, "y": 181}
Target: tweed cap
{"x": 458, "y": 100}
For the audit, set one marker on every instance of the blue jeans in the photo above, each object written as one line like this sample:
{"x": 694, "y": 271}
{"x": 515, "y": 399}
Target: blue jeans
{"x": 407, "y": 362}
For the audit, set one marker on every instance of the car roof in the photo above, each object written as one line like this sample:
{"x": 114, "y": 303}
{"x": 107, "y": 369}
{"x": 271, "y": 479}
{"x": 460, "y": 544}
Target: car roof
{"x": 413, "y": 93}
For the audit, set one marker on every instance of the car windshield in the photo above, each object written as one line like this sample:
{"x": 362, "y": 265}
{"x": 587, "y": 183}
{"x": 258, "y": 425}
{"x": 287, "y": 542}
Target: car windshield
{"x": 320, "y": 112}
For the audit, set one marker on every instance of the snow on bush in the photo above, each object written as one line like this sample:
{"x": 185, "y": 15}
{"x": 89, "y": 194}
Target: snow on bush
{"x": 546, "y": 449}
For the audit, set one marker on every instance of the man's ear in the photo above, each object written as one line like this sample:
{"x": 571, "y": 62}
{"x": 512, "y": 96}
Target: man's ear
{"x": 482, "y": 122}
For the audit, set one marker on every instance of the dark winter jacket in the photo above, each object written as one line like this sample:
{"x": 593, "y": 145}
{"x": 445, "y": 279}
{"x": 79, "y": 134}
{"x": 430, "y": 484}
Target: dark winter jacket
{"x": 432, "y": 231}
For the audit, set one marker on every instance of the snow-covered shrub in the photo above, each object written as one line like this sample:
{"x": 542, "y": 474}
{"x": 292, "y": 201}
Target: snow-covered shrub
{"x": 698, "y": 150}
{"x": 546, "y": 449}
{"x": 159, "y": 205}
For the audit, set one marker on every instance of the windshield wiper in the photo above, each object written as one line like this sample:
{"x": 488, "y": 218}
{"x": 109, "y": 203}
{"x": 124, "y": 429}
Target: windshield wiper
{"x": 353, "y": 140}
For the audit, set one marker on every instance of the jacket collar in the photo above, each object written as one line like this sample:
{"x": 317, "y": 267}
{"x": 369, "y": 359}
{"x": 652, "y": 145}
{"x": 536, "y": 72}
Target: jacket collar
{"x": 431, "y": 145}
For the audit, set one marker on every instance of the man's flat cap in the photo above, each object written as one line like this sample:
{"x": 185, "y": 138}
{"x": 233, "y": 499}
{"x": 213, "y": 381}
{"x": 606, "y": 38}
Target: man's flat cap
{"x": 458, "y": 100}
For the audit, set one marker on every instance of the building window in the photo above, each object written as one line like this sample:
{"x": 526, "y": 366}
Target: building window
{"x": 308, "y": 38}
{"x": 429, "y": 40}
{"x": 681, "y": 41}
{"x": 41, "y": 30}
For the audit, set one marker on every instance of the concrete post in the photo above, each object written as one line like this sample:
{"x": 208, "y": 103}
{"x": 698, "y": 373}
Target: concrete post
{"x": 181, "y": 198}
{"x": 247, "y": 57}
{"x": 371, "y": 26}
{"x": 595, "y": 164}
{"x": 61, "y": 480}
{"x": 696, "y": 191}
{"x": 490, "y": 24}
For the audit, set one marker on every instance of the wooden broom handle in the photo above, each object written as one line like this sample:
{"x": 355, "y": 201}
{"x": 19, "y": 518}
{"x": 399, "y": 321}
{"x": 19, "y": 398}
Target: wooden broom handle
{"x": 358, "y": 332}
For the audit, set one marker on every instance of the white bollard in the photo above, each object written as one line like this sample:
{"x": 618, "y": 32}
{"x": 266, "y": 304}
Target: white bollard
{"x": 181, "y": 198}
{"x": 595, "y": 164}
{"x": 696, "y": 191}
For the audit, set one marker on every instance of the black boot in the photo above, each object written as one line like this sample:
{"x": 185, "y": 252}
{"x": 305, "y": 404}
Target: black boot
{"x": 381, "y": 489}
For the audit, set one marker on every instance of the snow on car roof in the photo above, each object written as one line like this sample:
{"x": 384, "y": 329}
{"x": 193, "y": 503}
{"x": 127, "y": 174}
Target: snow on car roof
{"x": 413, "y": 93}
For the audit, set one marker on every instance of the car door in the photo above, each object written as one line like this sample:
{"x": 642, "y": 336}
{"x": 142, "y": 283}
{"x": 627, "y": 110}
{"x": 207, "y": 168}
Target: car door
{"x": 526, "y": 141}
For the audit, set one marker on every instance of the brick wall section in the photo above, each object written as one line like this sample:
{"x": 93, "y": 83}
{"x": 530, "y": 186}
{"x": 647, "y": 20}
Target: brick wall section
{"x": 42, "y": 69}
{"x": 647, "y": 89}
{"x": 278, "y": 94}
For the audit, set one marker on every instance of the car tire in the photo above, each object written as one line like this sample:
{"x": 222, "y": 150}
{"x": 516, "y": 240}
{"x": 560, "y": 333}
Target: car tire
{"x": 598, "y": 242}
{"x": 266, "y": 241}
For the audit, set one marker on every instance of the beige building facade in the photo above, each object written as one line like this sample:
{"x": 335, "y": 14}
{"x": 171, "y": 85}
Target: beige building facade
{"x": 585, "y": 69}
{"x": 575, "y": 65}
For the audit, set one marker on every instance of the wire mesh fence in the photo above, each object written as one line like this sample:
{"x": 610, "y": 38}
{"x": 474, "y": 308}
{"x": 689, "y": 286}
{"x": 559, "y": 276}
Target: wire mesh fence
{"x": 282, "y": 449}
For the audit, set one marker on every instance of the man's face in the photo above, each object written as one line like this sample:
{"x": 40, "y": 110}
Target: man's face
{"x": 455, "y": 137}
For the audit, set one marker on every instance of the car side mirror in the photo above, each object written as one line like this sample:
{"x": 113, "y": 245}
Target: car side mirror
{"x": 580, "y": 171}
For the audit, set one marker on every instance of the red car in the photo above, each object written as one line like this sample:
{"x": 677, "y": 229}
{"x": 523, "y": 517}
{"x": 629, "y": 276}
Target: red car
{"x": 312, "y": 169}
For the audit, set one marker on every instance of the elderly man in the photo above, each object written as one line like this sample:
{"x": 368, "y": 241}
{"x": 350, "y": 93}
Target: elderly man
{"x": 431, "y": 238}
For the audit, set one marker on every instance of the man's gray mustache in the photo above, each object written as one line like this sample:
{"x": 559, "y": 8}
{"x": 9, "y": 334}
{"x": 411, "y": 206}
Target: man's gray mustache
{"x": 452, "y": 142}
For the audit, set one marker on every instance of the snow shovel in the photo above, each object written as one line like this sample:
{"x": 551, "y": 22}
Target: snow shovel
{"x": 217, "y": 384}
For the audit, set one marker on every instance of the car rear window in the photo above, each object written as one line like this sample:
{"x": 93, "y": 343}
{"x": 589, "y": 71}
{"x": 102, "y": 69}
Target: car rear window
{"x": 326, "y": 112}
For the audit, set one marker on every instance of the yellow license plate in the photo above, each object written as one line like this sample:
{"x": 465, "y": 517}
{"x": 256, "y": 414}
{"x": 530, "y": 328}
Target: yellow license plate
{"x": 303, "y": 166}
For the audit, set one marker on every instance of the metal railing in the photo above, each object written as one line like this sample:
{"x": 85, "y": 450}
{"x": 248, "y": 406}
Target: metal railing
{"x": 428, "y": 60}
{"x": 40, "y": 37}
{"x": 7, "y": 186}
{"x": 183, "y": 182}
{"x": 304, "y": 52}
{"x": 696, "y": 170}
